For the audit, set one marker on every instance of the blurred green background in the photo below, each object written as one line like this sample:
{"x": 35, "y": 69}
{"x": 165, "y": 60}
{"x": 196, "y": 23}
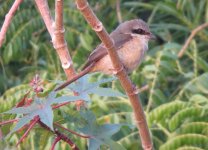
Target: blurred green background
{"x": 176, "y": 102}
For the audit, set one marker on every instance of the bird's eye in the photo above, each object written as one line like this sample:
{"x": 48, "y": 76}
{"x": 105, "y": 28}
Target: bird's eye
{"x": 138, "y": 31}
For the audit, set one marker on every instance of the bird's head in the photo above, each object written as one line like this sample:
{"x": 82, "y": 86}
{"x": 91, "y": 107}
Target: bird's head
{"x": 136, "y": 27}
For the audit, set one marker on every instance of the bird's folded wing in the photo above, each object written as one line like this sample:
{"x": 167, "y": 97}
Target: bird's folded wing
{"x": 101, "y": 51}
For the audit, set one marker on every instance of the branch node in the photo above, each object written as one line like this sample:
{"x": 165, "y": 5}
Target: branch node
{"x": 61, "y": 31}
{"x": 66, "y": 65}
{"x": 60, "y": 46}
{"x": 139, "y": 90}
{"x": 116, "y": 71}
{"x": 98, "y": 27}
{"x": 82, "y": 8}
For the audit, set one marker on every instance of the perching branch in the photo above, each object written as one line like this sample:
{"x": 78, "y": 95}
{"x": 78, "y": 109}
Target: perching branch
{"x": 126, "y": 83}
{"x": 8, "y": 19}
{"x": 193, "y": 33}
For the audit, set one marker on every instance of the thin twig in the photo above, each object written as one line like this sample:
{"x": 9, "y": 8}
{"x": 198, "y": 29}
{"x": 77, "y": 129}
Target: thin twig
{"x": 142, "y": 89}
{"x": 118, "y": 11}
{"x": 57, "y": 139}
{"x": 193, "y": 33}
{"x": 32, "y": 124}
{"x": 68, "y": 140}
{"x": 73, "y": 132}
{"x": 62, "y": 136}
{"x": 126, "y": 83}
{"x": 8, "y": 19}
{"x": 8, "y": 122}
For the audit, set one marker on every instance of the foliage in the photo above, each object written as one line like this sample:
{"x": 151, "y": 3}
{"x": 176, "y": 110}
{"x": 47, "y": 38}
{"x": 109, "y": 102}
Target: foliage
{"x": 175, "y": 104}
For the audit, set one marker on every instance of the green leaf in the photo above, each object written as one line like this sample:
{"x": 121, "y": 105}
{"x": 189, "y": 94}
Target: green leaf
{"x": 106, "y": 92}
{"x": 113, "y": 145}
{"x": 22, "y": 121}
{"x": 94, "y": 144}
{"x": 100, "y": 134}
{"x": 183, "y": 115}
{"x": 23, "y": 110}
{"x": 46, "y": 116}
{"x": 164, "y": 111}
{"x": 199, "y": 99}
{"x": 107, "y": 130}
{"x": 63, "y": 99}
{"x": 186, "y": 140}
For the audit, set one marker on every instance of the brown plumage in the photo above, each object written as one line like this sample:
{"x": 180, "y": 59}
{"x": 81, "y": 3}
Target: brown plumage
{"x": 130, "y": 40}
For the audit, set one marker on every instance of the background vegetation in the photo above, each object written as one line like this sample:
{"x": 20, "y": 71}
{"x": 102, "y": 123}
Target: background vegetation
{"x": 177, "y": 101}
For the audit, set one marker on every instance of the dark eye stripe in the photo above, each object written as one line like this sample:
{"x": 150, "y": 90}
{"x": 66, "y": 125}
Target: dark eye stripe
{"x": 139, "y": 31}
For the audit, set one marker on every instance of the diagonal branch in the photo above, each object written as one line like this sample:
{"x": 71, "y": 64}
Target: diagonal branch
{"x": 44, "y": 10}
{"x": 8, "y": 19}
{"x": 126, "y": 83}
{"x": 193, "y": 33}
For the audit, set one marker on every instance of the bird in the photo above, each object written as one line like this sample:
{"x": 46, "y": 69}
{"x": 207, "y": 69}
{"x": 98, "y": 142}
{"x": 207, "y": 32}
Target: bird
{"x": 130, "y": 39}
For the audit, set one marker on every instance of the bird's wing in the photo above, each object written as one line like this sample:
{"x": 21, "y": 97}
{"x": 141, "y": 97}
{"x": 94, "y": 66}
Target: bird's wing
{"x": 101, "y": 51}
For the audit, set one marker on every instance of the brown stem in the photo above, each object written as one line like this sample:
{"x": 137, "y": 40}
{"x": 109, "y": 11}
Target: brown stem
{"x": 66, "y": 139}
{"x": 57, "y": 139}
{"x": 8, "y": 19}
{"x": 9, "y": 121}
{"x": 193, "y": 33}
{"x": 60, "y": 105}
{"x": 126, "y": 83}
{"x": 43, "y": 8}
{"x": 62, "y": 136}
{"x": 32, "y": 124}
{"x": 59, "y": 42}
{"x": 73, "y": 132}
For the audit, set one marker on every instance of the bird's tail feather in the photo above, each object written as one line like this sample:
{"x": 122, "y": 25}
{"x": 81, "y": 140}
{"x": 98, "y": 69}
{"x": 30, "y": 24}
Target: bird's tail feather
{"x": 76, "y": 77}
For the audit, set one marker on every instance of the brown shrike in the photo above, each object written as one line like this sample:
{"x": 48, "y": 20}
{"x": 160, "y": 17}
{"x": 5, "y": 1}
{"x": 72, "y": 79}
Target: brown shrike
{"x": 131, "y": 42}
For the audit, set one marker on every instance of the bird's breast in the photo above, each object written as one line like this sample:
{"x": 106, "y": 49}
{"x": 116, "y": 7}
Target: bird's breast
{"x": 131, "y": 53}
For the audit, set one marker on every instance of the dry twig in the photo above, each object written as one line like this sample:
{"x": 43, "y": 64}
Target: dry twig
{"x": 8, "y": 19}
{"x": 118, "y": 11}
{"x": 193, "y": 33}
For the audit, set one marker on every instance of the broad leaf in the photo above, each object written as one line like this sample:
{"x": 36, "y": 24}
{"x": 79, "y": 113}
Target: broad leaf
{"x": 22, "y": 121}
{"x": 23, "y": 110}
{"x": 100, "y": 134}
{"x": 46, "y": 116}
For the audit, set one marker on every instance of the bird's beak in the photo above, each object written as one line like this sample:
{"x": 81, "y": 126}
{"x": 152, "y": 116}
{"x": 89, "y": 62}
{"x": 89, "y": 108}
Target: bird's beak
{"x": 152, "y": 36}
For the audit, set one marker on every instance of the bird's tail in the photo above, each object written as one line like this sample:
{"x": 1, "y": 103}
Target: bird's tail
{"x": 76, "y": 77}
